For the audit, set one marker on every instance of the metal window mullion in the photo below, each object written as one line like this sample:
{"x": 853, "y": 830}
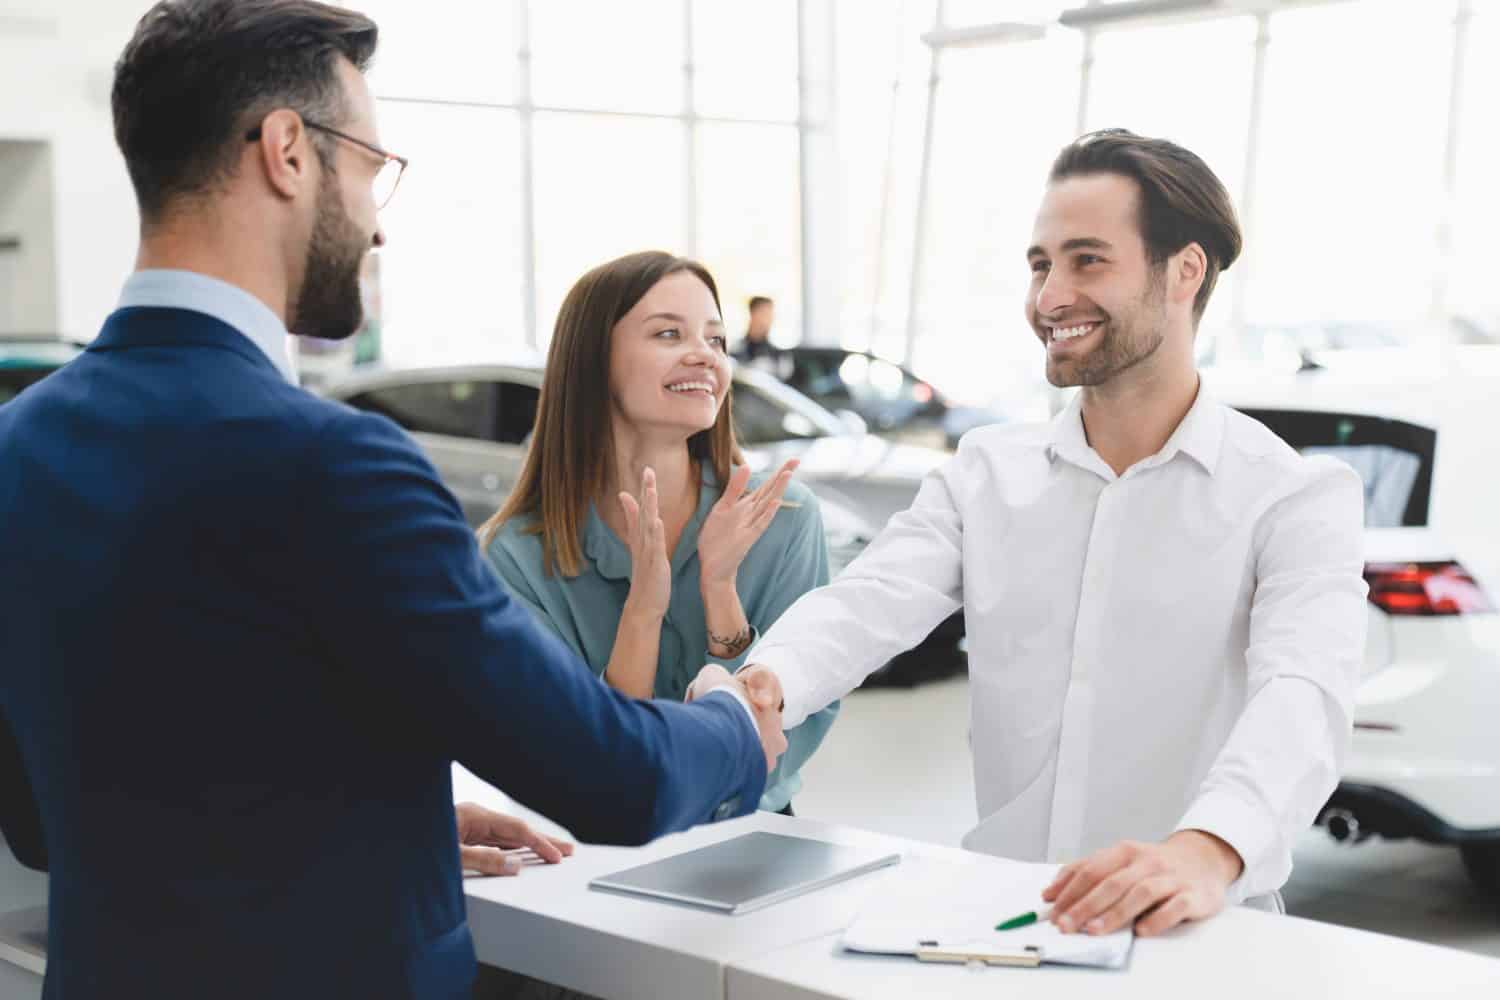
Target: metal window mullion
{"x": 1249, "y": 184}
{"x": 882, "y": 222}
{"x": 525, "y": 110}
{"x": 1444, "y": 236}
{"x": 690, "y": 129}
{"x": 924, "y": 187}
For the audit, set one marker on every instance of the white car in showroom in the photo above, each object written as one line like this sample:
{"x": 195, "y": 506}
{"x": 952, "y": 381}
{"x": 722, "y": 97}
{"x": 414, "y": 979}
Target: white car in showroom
{"x": 1425, "y": 760}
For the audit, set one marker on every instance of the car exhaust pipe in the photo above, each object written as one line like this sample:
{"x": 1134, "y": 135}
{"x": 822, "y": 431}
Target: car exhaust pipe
{"x": 1343, "y": 826}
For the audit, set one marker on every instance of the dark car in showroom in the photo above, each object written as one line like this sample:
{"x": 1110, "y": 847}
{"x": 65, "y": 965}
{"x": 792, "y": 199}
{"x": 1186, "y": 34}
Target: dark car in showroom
{"x": 889, "y": 398}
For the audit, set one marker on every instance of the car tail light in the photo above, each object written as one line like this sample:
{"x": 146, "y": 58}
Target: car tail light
{"x": 1425, "y": 588}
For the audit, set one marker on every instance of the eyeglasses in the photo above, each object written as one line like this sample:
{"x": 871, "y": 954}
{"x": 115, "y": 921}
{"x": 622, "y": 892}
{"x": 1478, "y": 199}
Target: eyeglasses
{"x": 387, "y": 179}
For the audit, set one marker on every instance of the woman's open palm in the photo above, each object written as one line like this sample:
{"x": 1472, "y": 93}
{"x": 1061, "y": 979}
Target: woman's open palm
{"x": 737, "y": 521}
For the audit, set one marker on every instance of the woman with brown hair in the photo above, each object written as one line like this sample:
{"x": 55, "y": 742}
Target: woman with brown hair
{"x": 636, "y": 533}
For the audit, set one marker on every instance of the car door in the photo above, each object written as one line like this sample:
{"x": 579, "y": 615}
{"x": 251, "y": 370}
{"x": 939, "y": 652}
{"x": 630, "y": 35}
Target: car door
{"x": 472, "y": 428}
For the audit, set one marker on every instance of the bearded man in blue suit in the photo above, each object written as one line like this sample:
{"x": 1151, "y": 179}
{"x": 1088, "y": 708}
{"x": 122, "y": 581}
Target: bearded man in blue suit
{"x": 244, "y": 632}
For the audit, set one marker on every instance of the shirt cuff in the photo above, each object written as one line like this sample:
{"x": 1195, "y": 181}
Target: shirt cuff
{"x": 1246, "y": 829}
{"x": 744, "y": 703}
{"x": 794, "y": 693}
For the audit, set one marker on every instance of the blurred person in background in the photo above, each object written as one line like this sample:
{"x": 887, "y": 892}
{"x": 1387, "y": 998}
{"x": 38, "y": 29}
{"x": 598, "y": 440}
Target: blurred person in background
{"x": 636, "y": 533}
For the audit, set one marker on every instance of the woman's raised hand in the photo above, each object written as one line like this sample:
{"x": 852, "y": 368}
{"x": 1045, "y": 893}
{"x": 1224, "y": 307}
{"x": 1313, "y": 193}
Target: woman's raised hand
{"x": 650, "y": 570}
{"x": 737, "y": 521}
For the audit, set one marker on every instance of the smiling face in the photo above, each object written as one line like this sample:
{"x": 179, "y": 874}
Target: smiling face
{"x": 668, "y": 368}
{"x": 1096, "y": 301}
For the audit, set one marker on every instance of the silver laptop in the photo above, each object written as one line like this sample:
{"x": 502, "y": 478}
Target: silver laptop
{"x": 747, "y": 872}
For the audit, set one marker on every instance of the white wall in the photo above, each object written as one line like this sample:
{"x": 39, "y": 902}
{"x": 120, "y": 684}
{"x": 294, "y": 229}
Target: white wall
{"x": 56, "y": 61}
{"x": 28, "y": 276}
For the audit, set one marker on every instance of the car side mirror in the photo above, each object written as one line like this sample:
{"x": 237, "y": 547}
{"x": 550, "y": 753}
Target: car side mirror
{"x": 853, "y": 422}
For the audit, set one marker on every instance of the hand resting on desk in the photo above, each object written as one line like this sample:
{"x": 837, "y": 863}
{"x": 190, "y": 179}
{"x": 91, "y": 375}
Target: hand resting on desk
{"x": 485, "y": 839}
{"x": 1156, "y": 886}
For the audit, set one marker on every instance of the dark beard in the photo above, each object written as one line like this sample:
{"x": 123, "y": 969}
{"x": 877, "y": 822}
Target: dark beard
{"x": 1124, "y": 345}
{"x": 330, "y": 305}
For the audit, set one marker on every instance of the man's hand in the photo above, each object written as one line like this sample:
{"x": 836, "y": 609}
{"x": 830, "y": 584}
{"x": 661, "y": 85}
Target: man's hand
{"x": 1163, "y": 884}
{"x": 486, "y": 839}
{"x": 762, "y": 686}
{"x": 767, "y": 720}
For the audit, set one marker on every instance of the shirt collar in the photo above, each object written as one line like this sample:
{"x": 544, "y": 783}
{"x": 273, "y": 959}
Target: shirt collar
{"x": 229, "y": 304}
{"x": 611, "y": 556}
{"x": 1200, "y": 435}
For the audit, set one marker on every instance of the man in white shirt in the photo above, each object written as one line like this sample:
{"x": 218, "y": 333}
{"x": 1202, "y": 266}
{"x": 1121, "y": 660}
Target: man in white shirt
{"x": 1164, "y": 602}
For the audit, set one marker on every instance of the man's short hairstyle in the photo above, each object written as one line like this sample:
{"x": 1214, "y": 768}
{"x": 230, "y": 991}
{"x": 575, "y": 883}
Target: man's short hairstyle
{"x": 198, "y": 74}
{"x": 1181, "y": 201}
{"x": 756, "y": 301}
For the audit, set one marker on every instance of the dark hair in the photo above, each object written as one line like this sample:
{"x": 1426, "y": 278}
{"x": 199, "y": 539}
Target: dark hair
{"x": 198, "y": 74}
{"x": 1182, "y": 201}
{"x": 756, "y": 301}
{"x": 572, "y": 451}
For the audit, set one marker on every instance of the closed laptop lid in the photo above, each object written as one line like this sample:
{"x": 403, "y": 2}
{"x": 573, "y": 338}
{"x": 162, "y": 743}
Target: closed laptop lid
{"x": 747, "y": 872}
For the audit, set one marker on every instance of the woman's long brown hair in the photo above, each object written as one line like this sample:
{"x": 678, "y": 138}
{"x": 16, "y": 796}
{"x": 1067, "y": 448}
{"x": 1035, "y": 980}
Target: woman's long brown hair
{"x": 572, "y": 451}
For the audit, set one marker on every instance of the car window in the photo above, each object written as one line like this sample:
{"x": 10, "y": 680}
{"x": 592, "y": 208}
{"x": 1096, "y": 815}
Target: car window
{"x": 817, "y": 375}
{"x": 517, "y": 411}
{"x": 872, "y": 380}
{"x": 13, "y": 380}
{"x": 1393, "y": 458}
{"x": 458, "y": 408}
{"x": 759, "y": 419}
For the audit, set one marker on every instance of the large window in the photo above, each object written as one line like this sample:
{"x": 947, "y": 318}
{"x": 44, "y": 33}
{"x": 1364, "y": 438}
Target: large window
{"x": 1003, "y": 114}
{"x": 451, "y": 50}
{"x": 608, "y": 56}
{"x": 1473, "y": 294}
{"x": 1350, "y": 186}
{"x": 451, "y": 269}
{"x": 1190, "y": 83}
{"x": 748, "y": 221}
{"x": 605, "y": 186}
{"x": 745, "y": 58}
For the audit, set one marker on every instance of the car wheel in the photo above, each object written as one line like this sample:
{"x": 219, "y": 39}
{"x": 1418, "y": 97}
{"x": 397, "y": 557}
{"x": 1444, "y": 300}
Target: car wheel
{"x": 1483, "y": 864}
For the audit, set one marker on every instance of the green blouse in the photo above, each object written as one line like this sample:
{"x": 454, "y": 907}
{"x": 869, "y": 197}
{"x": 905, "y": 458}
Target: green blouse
{"x": 790, "y": 559}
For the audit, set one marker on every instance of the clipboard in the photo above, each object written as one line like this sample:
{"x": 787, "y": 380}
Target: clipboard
{"x": 1028, "y": 957}
{"x": 945, "y": 913}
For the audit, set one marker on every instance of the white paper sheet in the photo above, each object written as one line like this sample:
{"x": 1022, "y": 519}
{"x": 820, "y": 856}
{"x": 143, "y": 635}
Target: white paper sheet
{"x": 958, "y": 907}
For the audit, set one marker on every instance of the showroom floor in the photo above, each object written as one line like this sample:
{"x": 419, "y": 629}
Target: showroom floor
{"x": 875, "y": 772}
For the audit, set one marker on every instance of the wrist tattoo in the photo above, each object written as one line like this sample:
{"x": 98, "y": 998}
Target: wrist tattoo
{"x": 734, "y": 644}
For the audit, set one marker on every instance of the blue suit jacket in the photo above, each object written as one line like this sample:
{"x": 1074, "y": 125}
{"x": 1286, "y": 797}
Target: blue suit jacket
{"x": 243, "y": 634}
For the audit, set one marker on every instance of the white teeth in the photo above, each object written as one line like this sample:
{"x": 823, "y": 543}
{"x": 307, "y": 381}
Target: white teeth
{"x": 1070, "y": 332}
{"x": 691, "y": 387}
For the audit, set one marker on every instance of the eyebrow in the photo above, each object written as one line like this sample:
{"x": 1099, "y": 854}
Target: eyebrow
{"x": 675, "y": 318}
{"x": 1077, "y": 243}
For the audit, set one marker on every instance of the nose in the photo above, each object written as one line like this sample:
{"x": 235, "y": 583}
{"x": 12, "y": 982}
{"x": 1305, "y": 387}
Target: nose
{"x": 1055, "y": 294}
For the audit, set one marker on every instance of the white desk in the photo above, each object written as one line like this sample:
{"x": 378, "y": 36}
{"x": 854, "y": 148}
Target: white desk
{"x": 547, "y": 923}
{"x": 1239, "y": 954}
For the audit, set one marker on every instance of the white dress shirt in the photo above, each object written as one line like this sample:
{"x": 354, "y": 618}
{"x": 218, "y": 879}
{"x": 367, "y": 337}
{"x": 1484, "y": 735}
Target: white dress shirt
{"x": 229, "y": 304}
{"x": 1173, "y": 648}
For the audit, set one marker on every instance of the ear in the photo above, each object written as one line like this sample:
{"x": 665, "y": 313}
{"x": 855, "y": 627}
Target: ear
{"x": 285, "y": 154}
{"x": 1190, "y": 266}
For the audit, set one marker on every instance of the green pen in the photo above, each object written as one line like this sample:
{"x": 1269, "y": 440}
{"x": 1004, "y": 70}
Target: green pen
{"x": 1025, "y": 920}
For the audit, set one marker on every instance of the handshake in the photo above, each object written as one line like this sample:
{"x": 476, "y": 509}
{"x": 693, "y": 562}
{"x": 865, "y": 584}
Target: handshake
{"x": 761, "y": 688}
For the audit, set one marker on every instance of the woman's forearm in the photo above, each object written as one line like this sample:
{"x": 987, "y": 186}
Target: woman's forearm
{"x": 632, "y": 661}
{"x": 728, "y": 628}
